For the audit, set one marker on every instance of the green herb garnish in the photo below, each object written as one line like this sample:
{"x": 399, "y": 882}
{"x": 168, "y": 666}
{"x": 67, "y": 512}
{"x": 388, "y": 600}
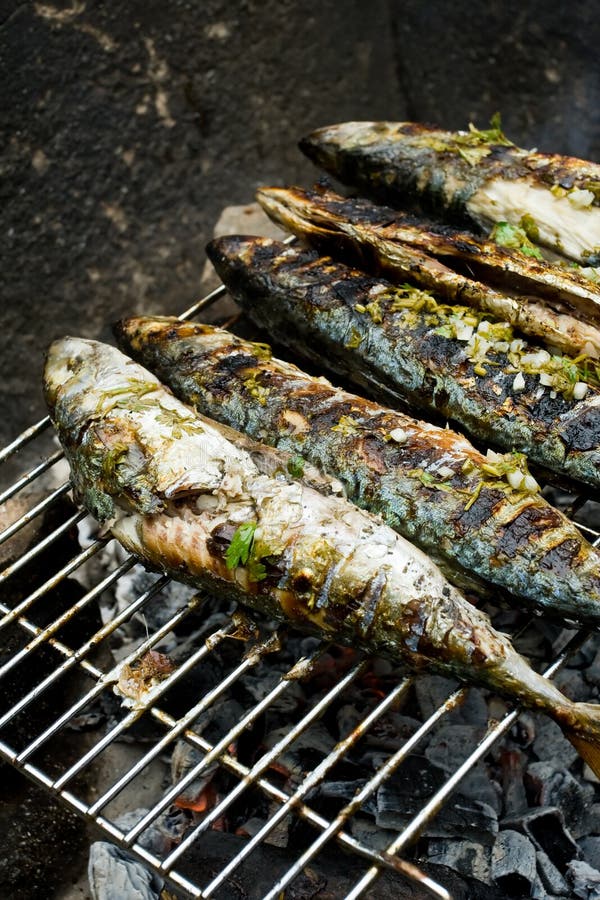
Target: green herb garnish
{"x": 241, "y": 552}
{"x": 295, "y": 466}
{"x": 515, "y": 238}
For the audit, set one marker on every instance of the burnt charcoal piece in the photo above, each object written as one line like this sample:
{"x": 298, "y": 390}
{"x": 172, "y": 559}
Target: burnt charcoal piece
{"x": 546, "y": 829}
{"x": 561, "y": 789}
{"x": 514, "y": 863}
{"x": 550, "y": 745}
{"x": 585, "y": 880}
{"x": 590, "y": 848}
{"x": 465, "y": 857}
{"x": 330, "y": 876}
{"x": 114, "y": 874}
{"x": 550, "y": 877}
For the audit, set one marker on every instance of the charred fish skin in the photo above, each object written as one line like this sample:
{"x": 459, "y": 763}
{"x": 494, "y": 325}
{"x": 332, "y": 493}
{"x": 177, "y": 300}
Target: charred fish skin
{"x": 476, "y": 177}
{"x": 403, "y": 345}
{"x": 550, "y": 302}
{"x": 311, "y": 559}
{"x": 430, "y": 484}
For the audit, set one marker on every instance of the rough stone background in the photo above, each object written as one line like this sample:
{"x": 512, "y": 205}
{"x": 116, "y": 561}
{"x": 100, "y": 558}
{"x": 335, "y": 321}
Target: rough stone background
{"x": 126, "y": 128}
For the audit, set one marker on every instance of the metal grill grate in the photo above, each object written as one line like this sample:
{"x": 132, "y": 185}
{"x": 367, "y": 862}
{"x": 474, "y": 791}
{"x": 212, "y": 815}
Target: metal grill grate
{"x": 86, "y": 675}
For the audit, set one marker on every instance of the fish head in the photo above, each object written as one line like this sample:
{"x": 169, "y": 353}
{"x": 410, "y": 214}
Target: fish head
{"x": 65, "y": 360}
{"x": 141, "y": 332}
{"x": 325, "y": 145}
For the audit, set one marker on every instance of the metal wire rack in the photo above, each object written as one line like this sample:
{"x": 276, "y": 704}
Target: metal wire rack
{"x": 88, "y": 675}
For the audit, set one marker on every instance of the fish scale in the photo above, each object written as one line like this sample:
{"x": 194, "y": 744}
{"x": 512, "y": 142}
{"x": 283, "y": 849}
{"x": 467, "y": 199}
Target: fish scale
{"x": 428, "y": 483}
{"x": 397, "y": 604}
{"x": 404, "y": 351}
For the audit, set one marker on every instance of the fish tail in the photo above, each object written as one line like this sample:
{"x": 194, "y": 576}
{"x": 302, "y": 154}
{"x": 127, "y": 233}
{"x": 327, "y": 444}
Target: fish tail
{"x": 583, "y": 731}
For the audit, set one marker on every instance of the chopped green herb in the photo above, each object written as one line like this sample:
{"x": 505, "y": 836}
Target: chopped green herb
{"x": 254, "y": 387}
{"x": 515, "y": 238}
{"x": 354, "y": 340}
{"x": 238, "y": 551}
{"x": 241, "y": 551}
{"x": 346, "y": 426}
{"x": 295, "y": 466}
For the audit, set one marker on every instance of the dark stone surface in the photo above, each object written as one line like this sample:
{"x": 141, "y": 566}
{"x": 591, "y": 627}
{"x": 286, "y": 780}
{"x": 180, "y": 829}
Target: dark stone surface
{"x": 126, "y": 131}
{"x": 129, "y": 129}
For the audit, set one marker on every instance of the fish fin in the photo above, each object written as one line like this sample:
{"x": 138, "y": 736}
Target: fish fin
{"x": 589, "y": 750}
{"x": 584, "y": 734}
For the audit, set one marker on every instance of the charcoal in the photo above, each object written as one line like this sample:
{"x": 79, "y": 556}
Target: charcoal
{"x": 450, "y": 746}
{"x": 590, "y": 848}
{"x": 573, "y": 684}
{"x": 432, "y": 691}
{"x": 466, "y": 857}
{"x": 512, "y": 766}
{"x": 550, "y": 877}
{"x": 592, "y": 819}
{"x": 346, "y": 791}
{"x": 584, "y": 879}
{"x": 460, "y": 817}
{"x": 347, "y": 717}
{"x": 114, "y": 874}
{"x": 367, "y": 832}
{"x": 152, "y": 838}
{"x": 392, "y": 730}
{"x": 448, "y": 749}
{"x": 589, "y": 775}
{"x": 513, "y": 864}
{"x": 561, "y": 789}
{"x": 551, "y": 745}
{"x": 545, "y": 827}
{"x": 306, "y": 751}
{"x": 592, "y": 672}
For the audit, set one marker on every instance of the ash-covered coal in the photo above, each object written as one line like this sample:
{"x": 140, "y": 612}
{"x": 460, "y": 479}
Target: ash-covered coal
{"x": 521, "y": 821}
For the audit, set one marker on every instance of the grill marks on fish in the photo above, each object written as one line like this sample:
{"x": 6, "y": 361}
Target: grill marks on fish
{"x": 547, "y": 301}
{"x": 477, "y": 177}
{"x": 405, "y": 351}
{"x": 377, "y": 593}
{"x": 428, "y": 483}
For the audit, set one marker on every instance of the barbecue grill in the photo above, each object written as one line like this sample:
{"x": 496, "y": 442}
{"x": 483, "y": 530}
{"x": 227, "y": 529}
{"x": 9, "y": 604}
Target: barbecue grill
{"x": 86, "y": 676}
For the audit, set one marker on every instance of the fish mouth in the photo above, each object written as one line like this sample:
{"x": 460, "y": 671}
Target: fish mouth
{"x": 323, "y": 145}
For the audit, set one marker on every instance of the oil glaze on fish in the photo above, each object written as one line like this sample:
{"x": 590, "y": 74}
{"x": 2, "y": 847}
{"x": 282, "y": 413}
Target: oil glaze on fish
{"x": 178, "y": 493}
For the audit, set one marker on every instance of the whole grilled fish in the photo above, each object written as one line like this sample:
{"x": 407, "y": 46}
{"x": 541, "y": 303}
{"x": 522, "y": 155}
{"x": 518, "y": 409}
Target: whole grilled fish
{"x": 186, "y": 500}
{"x": 403, "y": 344}
{"x": 476, "y": 176}
{"x": 472, "y": 514}
{"x": 557, "y": 305}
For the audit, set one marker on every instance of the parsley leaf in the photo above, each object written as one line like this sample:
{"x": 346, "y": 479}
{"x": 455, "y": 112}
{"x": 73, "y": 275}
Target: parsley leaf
{"x": 241, "y": 552}
{"x": 238, "y": 551}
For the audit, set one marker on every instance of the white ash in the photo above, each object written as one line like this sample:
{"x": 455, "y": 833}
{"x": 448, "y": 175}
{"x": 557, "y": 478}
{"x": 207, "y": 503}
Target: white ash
{"x": 116, "y": 875}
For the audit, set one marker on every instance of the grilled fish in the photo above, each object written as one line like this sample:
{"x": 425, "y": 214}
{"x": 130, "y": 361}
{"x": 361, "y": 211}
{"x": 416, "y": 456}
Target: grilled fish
{"x": 473, "y": 514}
{"x": 477, "y": 176}
{"x": 192, "y": 503}
{"x": 551, "y": 303}
{"x": 406, "y": 346}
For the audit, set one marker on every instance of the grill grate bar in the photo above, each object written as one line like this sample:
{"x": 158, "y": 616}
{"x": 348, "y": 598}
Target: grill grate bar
{"x": 369, "y": 788}
{"x": 432, "y": 807}
{"x": 264, "y": 762}
{"x": 140, "y": 707}
{"x": 30, "y": 476}
{"x": 41, "y": 546}
{"x": 55, "y": 626}
{"x": 248, "y": 719}
{"x": 310, "y": 782}
{"x": 35, "y": 511}
{"x": 28, "y": 435}
{"x": 51, "y": 583}
{"x": 73, "y": 657}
